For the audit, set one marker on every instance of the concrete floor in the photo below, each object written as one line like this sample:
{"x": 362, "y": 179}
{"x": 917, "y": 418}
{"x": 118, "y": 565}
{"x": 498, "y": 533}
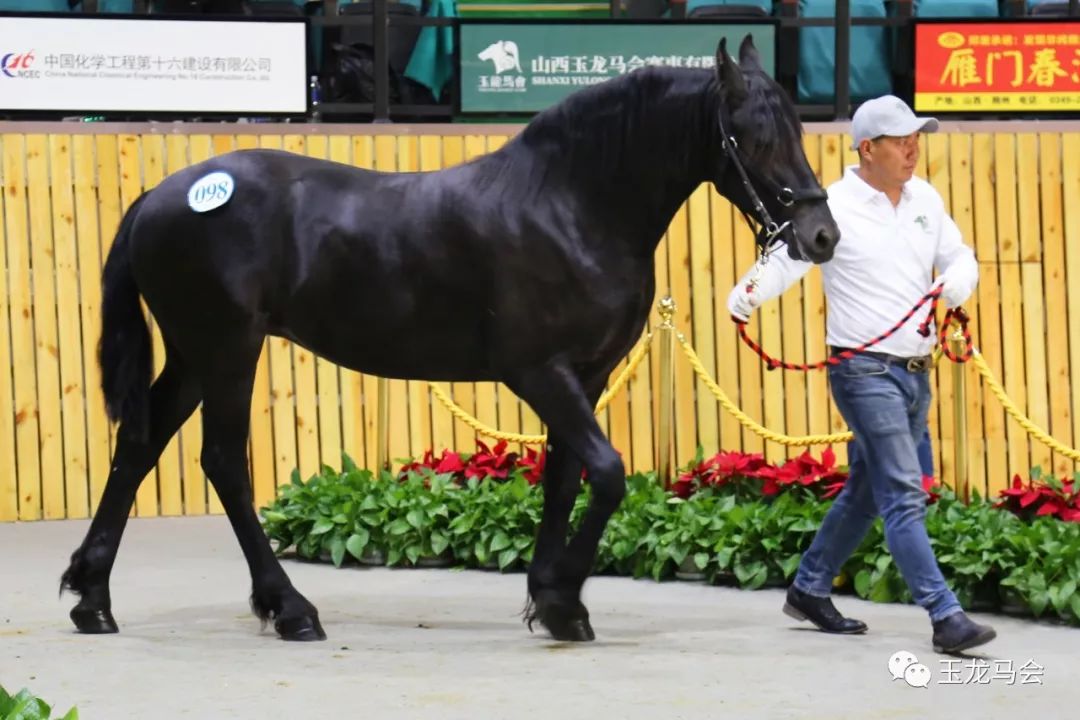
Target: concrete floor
{"x": 446, "y": 644}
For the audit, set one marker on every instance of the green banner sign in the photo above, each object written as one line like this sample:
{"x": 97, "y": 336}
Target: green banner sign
{"x": 524, "y": 67}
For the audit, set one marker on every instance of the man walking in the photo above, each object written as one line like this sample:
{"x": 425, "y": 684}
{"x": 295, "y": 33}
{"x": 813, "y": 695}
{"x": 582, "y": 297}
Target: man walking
{"x": 895, "y": 231}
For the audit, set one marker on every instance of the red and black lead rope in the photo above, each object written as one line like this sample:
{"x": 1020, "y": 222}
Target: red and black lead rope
{"x": 953, "y": 314}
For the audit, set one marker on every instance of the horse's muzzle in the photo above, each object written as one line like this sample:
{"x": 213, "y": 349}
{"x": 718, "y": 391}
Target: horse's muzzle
{"x": 817, "y": 249}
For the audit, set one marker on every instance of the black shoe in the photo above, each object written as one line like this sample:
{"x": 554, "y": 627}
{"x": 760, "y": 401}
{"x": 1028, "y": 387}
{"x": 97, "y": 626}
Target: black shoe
{"x": 958, "y": 632}
{"x": 821, "y": 612}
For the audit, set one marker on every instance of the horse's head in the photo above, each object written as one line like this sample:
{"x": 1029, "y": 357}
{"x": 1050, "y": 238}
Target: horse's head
{"x": 762, "y": 168}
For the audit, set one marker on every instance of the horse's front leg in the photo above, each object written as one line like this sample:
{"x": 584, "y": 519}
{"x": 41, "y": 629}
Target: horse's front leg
{"x": 558, "y": 573}
{"x": 562, "y": 482}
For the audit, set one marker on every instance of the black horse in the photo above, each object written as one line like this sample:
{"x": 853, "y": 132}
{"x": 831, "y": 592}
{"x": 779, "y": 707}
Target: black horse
{"x": 534, "y": 263}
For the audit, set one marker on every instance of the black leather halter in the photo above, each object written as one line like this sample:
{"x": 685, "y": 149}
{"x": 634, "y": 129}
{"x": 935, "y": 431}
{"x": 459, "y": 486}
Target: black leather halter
{"x": 770, "y": 232}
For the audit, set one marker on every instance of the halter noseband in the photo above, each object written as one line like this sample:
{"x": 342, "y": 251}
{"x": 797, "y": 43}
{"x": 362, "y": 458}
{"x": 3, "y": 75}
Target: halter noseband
{"x": 770, "y": 232}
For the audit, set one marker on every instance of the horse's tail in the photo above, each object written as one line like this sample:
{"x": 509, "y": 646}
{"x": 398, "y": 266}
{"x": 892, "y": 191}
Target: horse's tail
{"x": 124, "y": 351}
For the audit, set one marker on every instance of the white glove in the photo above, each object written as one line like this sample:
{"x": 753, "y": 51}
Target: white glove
{"x": 741, "y": 302}
{"x": 952, "y": 293}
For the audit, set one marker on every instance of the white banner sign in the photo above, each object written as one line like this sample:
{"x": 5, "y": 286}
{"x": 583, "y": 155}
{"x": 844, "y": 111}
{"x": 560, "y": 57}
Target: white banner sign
{"x": 145, "y": 65}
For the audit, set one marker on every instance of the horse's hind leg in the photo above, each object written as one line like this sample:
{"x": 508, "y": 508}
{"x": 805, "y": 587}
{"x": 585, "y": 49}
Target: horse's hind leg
{"x": 555, "y": 581}
{"x": 226, "y": 419}
{"x": 173, "y": 397}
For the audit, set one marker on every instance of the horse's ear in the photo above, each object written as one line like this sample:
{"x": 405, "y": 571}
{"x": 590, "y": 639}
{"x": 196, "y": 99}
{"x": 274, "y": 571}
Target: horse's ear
{"x": 748, "y": 54}
{"x": 732, "y": 82}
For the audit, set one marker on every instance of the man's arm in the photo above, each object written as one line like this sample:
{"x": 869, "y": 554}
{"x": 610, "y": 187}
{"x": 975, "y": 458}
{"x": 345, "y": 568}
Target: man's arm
{"x": 956, "y": 263}
{"x": 776, "y": 276}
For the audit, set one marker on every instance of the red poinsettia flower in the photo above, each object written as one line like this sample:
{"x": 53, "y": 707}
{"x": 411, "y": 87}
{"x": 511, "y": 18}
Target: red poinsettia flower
{"x": 1071, "y": 515}
{"x": 832, "y": 486}
{"x": 720, "y": 469}
{"x": 683, "y": 487}
{"x": 1038, "y": 498}
{"x": 426, "y": 462}
{"x": 451, "y": 462}
{"x": 770, "y": 486}
{"x": 774, "y": 477}
{"x": 1032, "y": 498}
{"x": 928, "y": 485}
{"x": 532, "y": 465}
{"x": 811, "y": 470}
{"x": 696, "y": 476}
{"x": 490, "y": 462}
{"x": 1052, "y": 506}
{"x": 731, "y": 465}
{"x": 1019, "y": 494}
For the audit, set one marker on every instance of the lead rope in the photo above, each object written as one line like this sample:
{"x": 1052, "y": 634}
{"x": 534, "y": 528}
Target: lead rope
{"x": 957, "y": 315}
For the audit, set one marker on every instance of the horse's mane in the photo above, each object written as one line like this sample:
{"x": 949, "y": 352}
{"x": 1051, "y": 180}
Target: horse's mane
{"x": 652, "y": 118}
{"x": 653, "y": 121}
{"x": 773, "y": 117}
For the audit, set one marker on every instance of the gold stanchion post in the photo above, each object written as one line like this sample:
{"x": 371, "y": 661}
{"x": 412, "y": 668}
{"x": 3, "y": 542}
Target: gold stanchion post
{"x": 382, "y": 427}
{"x": 667, "y": 389}
{"x": 960, "y": 443}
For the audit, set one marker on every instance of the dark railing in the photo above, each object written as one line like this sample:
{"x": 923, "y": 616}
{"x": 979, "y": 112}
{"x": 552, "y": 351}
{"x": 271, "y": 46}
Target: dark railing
{"x": 380, "y": 20}
{"x": 899, "y": 18}
{"x": 326, "y": 18}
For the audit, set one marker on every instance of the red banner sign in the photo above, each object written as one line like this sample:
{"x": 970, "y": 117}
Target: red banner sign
{"x": 997, "y": 66}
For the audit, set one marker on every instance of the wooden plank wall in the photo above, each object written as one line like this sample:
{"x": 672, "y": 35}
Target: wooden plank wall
{"x": 64, "y": 194}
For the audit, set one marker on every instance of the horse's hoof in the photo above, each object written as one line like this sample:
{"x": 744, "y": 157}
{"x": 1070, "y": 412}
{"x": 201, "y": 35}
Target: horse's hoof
{"x": 300, "y": 629}
{"x": 575, "y": 630}
{"x": 566, "y": 625}
{"x": 94, "y": 621}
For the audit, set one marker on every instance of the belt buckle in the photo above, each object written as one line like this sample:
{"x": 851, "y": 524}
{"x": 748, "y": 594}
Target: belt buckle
{"x": 918, "y": 364}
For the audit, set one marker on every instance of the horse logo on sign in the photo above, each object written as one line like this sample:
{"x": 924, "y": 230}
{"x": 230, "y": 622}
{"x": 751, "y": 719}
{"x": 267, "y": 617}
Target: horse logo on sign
{"x": 504, "y": 53}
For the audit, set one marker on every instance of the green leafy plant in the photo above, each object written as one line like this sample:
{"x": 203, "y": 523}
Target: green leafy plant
{"x": 499, "y": 522}
{"x": 749, "y": 531}
{"x": 329, "y": 515}
{"x": 631, "y": 543}
{"x": 25, "y": 706}
{"x": 685, "y": 534}
{"x": 420, "y": 507}
{"x": 1044, "y": 571}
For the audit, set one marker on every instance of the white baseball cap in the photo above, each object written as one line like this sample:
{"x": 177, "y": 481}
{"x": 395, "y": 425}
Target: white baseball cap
{"x": 887, "y": 115}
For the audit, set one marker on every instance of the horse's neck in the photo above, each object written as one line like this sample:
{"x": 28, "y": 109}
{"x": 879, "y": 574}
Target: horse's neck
{"x": 629, "y": 154}
{"x": 663, "y": 157}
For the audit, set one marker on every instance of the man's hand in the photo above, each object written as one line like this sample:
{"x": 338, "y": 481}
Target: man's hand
{"x": 742, "y": 302}
{"x": 952, "y": 293}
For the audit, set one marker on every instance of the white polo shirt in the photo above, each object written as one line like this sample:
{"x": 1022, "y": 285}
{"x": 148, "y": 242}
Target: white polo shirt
{"x": 882, "y": 265}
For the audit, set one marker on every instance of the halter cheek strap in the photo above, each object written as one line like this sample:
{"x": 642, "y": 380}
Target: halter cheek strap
{"x": 770, "y": 232}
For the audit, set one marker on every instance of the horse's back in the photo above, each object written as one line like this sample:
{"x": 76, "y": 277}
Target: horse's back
{"x": 294, "y": 238}
{"x": 351, "y": 262}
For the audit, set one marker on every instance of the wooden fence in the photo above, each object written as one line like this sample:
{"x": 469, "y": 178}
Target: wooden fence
{"x": 1013, "y": 188}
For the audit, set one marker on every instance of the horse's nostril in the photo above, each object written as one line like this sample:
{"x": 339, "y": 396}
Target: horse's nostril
{"x": 825, "y": 239}
{"x": 823, "y": 244}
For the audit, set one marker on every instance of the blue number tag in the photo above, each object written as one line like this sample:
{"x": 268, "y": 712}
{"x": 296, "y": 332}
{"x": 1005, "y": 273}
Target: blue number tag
{"x": 210, "y": 191}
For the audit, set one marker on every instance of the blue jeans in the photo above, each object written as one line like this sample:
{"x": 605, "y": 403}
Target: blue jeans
{"x": 886, "y": 408}
{"x": 926, "y": 453}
